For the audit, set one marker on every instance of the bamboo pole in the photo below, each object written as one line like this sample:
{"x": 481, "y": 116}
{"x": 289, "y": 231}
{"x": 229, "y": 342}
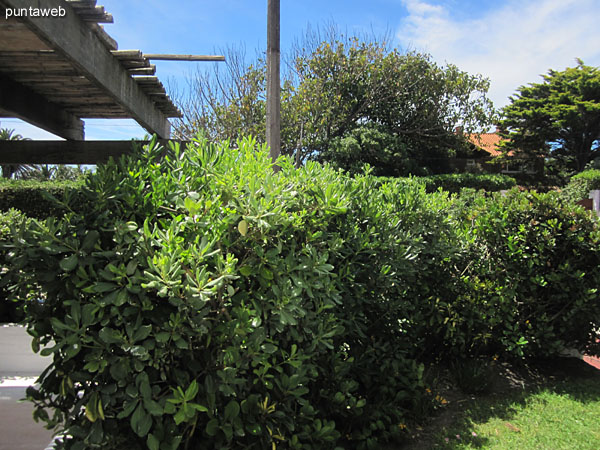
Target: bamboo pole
{"x": 273, "y": 121}
{"x": 165, "y": 57}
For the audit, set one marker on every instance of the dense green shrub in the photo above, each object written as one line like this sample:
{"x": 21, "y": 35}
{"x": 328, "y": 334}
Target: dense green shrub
{"x": 537, "y": 276}
{"x": 35, "y": 198}
{"x": 454, "y": 182}
{"x": 205, "y": 300}
{"x": 10, "y": 311}
{"x": 580, "y": 185}
{"x": 201, "y": 300}
{"x": 522, "y": 280}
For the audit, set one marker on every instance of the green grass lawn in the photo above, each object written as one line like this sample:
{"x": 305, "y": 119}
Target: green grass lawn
{"x": 562, "y": 413}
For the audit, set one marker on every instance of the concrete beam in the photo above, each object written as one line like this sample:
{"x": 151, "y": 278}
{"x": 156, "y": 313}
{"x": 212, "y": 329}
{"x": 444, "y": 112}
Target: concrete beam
{"x": 66, "y": 152}
{"x": 20, "y": 101}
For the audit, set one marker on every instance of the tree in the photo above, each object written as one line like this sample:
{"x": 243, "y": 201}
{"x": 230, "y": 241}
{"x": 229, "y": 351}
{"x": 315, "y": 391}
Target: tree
{"x": 8, "y": 170}
{"x": 347, "y": 101}
{"x": 57, "y": 172}
{"x": 415, "y": 105}
{"x": 225, "y": 102}
{"x": 557, "y": 120}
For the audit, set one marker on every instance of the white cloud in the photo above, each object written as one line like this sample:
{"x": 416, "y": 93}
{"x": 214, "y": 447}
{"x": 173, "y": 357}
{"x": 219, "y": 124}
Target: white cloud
{"x": 513, "y": 43}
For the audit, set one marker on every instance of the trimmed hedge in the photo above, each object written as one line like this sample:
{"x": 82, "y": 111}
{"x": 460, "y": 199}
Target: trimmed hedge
{"x": 34, "y": 198}
{"x": 546, "y": 264}
{"x": 10, "y": 311}
{"x": 201, "y": 300}
{"x": 581, "y": 184}
{"x": 530, "y": 285}
{"x": 454, "y": 182}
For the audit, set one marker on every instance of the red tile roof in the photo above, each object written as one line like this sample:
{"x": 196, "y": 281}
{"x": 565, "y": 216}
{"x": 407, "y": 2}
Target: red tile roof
{"x": 486, "y": 141}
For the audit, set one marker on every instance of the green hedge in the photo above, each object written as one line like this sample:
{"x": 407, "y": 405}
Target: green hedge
{"x": 454, "y": 182}
{"x": 34, "y": 198}
{"x": 10, "y": 311}
{"x": 580, "y": 185}
{"x": 543, "y": 260}
{"x": 201, "y": 300}
{"x": 204, "y": 299}
{"x": 529, "y": 286}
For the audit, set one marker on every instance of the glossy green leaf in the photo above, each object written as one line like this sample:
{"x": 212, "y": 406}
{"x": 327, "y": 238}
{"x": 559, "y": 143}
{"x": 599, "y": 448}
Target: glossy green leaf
{"x": 69, "y": 263}
{"x": 231, "y": 410}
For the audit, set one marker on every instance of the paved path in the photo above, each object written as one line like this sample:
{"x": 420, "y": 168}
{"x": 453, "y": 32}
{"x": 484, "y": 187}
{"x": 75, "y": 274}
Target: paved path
{"x": 19, "y": 367}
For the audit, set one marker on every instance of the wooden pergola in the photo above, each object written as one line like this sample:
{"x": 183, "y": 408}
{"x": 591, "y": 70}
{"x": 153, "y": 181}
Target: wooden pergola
{"x": 56, "y": 71}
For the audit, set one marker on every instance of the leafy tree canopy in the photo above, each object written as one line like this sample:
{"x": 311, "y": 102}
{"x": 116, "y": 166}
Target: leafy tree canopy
{"x": 348, "y": 101}
{"x": 558, "y": 119}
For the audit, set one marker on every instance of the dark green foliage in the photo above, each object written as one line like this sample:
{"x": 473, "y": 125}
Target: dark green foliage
{"x": 535, "y": 282}
{"x": 34, "y": 198}
{"x": 206, "y": 301}
{"x": 455, "y": 182}
{"x": 558, "y": 119}
{"x": 580, "y": 185}
{"x": 386, "y": 153}
{"x": 10, "y": 311}
{"x": 522, "y": 280}
{"x": 201, "y": 300}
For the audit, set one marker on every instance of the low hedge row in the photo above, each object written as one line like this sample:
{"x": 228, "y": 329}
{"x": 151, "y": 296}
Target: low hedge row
{"x": 202, "y": 301}
{"x": 454, "y": 182}
{"x": 581, "y": 184}
{"x": 529, "y": 285}
{"x": 10, "y": 311}
{"x": 34, "y": 198}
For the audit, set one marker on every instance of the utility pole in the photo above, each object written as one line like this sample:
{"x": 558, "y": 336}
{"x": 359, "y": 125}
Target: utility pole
{"x": 273, "y": 80}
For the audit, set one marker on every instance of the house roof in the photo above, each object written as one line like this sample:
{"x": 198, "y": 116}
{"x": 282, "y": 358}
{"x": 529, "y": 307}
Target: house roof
{"x": 488, "y": 142}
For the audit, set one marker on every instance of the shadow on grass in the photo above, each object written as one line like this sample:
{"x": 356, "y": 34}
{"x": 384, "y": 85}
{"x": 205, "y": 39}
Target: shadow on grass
{"x": 454, "y": 426}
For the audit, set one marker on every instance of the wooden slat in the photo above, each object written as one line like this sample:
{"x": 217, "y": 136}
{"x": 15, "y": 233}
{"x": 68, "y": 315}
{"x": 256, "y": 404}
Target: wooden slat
{"x": 150, "y": 70}
{"x": 82, "y": 4}
{"x": 51, "y": 72}
{"x": 15, "y": 35}
{"x": 41, "y": 78}
{"x": 30, "y": 106}
{"x": 97, "y": 14}
{"x": 128, "y": 55}
{"x": 76, "y": 97}
{"x": 144, "y": 79}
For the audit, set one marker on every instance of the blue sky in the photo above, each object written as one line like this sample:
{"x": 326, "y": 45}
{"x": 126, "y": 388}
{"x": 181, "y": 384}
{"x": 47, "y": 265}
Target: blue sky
{"x": 512, "y": 42}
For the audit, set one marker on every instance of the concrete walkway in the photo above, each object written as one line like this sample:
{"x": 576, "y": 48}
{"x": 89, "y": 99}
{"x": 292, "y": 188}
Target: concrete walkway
{"x": 19, "y": 367}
